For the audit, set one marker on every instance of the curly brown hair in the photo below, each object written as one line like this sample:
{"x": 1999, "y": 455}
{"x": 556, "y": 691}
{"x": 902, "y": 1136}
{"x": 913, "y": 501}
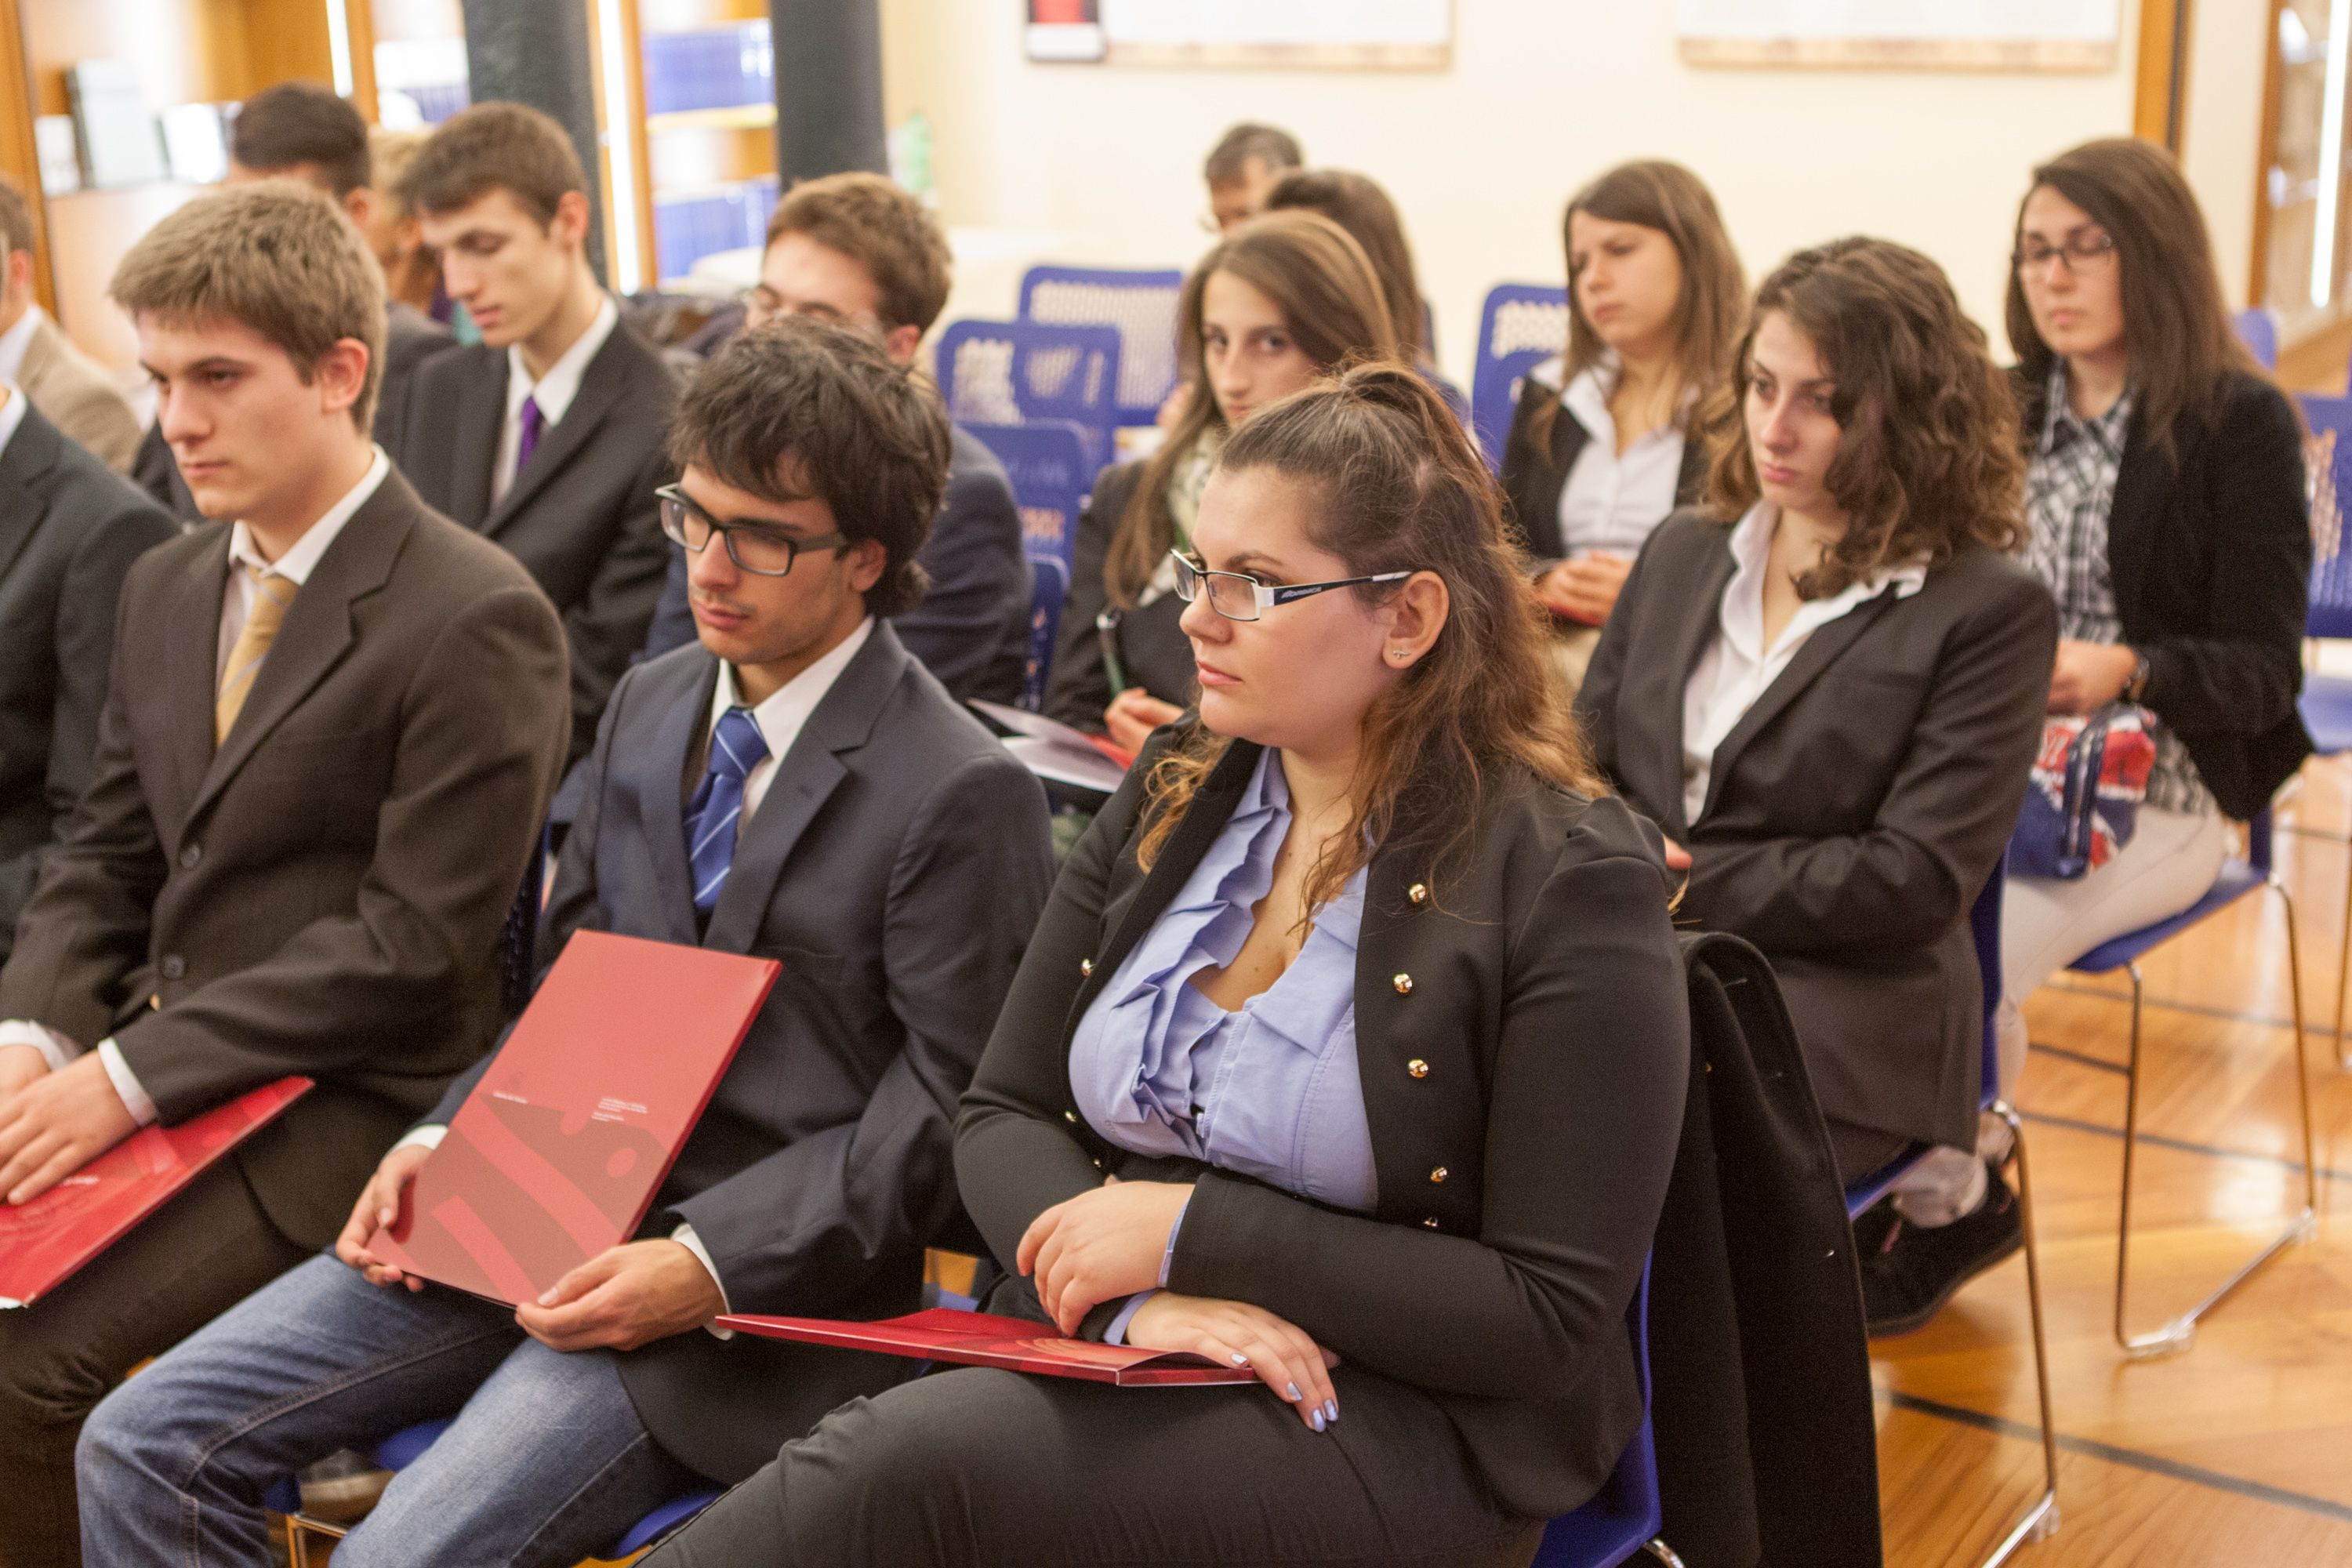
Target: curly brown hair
{"x": 1929, "y": 459}
{"x": 1397, "y": 488}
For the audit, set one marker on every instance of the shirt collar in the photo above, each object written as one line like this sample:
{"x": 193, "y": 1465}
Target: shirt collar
{"x": 298, "y": 561}
{"x": 1751, "y": 548}
{"x": 15, "y": 341}
{"x": 782, "y": 717}
{"x": 1586, "y": 396}
{"x": 12, "y": 411}
{"x": 554, "y": 391}
{"x": 2061, "y": 424}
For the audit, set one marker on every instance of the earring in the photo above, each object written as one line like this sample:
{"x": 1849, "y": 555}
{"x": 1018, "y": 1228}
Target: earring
{"x": 1397, "y": 653}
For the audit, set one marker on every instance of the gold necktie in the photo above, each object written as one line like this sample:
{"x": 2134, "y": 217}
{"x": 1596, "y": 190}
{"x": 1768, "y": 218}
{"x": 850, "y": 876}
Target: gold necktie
{"x": 272, "y": 596}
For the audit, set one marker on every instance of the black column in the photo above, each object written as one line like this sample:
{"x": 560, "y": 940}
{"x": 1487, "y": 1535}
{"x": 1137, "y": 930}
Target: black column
{"x": 828, "y": 87}
{"x": 539, "y": 52}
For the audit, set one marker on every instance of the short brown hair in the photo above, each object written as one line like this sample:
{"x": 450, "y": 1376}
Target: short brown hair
{"x": 279, "y": 257}
{"x": 883, "y": 229}
{"x": 510, "y": 147}
{"x": 16, "y": 230}
{"x": 1929, "y": 459}
{"x": 1277, "y": 149}
{"x": 871, "y": 438}
{"x": 299, "y": 123}
{"x": 1357, "y": 204}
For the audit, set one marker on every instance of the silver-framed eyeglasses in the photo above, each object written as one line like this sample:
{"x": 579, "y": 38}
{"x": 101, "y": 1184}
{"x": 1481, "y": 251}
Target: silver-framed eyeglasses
{"x": 1240, "y": 598}
{"x": 759, "y": 548}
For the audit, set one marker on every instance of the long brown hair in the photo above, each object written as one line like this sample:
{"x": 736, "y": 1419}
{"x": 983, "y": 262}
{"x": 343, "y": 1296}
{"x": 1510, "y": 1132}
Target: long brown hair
{"x": 1929, "y": 458}
{"x": 1330, "y": 299}
{"x": 2176, "y": 334}
{"x": 1357, "y": 204}
{"x": 1664, "y": 195}
{"x": 1397, "y": 487}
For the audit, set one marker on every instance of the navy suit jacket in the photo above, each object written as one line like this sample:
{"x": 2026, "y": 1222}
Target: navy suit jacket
{"x": 893, "y": 868}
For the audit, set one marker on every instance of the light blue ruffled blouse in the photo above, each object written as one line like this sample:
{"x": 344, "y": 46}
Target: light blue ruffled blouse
{"x": 1272, "y": 1090}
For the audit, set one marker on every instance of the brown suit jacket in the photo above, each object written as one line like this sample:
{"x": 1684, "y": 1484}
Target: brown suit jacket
{"x": 323, "y": 895}
{"x": 75, "y": 394}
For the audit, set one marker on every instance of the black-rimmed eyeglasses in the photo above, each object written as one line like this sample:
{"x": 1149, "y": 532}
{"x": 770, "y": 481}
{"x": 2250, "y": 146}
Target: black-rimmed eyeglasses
{"x": 2081, "y": 254}
{"x": 1240, "y": 598}
{"x": 759, "y": 548}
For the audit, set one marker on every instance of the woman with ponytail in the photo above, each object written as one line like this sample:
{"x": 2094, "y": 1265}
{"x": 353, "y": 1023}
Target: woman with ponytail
{"x": 1352, "y": 1048}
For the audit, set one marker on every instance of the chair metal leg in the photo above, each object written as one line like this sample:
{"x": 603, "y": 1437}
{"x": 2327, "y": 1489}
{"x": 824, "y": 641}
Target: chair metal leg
{"x": 2040, "y": 1522}
{"x": 1662, "y": 1551}
{"x": 301, "y": 1530}
{"x": 2181, "y": 1332}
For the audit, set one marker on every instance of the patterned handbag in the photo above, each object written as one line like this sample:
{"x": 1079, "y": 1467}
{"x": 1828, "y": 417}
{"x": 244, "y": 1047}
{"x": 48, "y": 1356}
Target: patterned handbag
{"x": 2085, "y": 797}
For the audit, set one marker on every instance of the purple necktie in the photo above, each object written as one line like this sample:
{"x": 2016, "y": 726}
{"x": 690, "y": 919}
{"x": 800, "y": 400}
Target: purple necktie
{"x": 534, "y": 422}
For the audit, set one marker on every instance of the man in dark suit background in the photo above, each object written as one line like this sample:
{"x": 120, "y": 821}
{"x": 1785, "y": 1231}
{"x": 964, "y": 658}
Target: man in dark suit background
{"x": 548, "y": 435}
{"x": 797, "y": 787}
{"x": 331, "y": 731}
{"x": 857, "y": 249}
{"x": 69, "y": 529}
{"x": 300, "y": 131}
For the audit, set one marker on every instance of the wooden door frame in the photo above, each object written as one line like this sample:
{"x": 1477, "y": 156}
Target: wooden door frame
{"x": 20, "y": 153}
{"x": 2160, "y": 99}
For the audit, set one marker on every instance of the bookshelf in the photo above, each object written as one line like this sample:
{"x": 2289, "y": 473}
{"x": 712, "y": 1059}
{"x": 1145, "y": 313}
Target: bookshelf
{"x": 707, "y": 84}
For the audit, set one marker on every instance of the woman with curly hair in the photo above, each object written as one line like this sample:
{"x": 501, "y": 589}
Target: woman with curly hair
{"x": 1827, "y": 682}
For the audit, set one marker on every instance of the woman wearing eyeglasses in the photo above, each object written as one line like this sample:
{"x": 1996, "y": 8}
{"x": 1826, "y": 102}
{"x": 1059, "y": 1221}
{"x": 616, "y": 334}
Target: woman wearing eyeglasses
{"x": 1351, "y": 1049}
{"x": 2164, "y": 491}
{"x": 1278, "y": 303}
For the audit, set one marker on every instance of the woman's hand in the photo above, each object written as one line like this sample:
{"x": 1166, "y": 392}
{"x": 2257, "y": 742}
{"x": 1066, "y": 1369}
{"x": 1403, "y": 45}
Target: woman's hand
{"x": 1677, "y": 857}
{"x": 378, "y": 1206}
{"x": 2090, "y": 675}
{"x": 1133, "y": 714}
{"x": 1100, "y": 1245}
{"x": 1284, "y": 1356}
{"x": 1585, "y": 589}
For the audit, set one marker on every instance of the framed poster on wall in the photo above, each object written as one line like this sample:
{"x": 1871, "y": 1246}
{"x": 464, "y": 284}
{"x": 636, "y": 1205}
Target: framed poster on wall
{"x": 1934, "y": 34}
{"x": 1358, "y": 35}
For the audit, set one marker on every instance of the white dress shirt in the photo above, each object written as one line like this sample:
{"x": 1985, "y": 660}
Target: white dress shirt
{"x": 236, "y": 607}
{"x": 1611, "y": 500}
{"x": 15, "y": 341}
{"x": 1736, "y": 666}
{"x": 13, "y": 404}
{"x": 553, "y": 393}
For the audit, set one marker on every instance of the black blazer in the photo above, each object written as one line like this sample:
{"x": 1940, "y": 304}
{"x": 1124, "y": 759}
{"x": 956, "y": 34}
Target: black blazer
{"x": 1853, "y": 815}
{"x": 581, "y": 516}
{"x": 323, "y": 892}
{"x": 821, "y": 1168}
{"x": 69, "y": 529}
{"x": 1153, "y": 647}
{"x": 2210, "y": 551}
{"x": 1534, "y": 474}
{"x": 1524, "y": 1042}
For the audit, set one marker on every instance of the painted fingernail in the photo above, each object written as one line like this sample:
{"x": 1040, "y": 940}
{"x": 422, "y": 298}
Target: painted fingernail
{"x": 1331, "y": 1408}
{"x": 1240, "y": 1360}
{"x": 1294, "y": 1395}
{"x": 1319, "y": 1421}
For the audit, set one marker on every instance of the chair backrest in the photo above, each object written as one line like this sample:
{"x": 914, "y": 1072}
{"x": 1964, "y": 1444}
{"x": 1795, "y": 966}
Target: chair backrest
{"x": 1627, "y": 1510}
{"x": 2258, "y": 330}
{"x": 1140, "y": 305}
{"x": 1045, "y": 463}
{"x": 1521, "y": 325}
{"x": 2328, "y": 458}
{"x": 1050, "y": 586}
{"x": 1011, "y": 373}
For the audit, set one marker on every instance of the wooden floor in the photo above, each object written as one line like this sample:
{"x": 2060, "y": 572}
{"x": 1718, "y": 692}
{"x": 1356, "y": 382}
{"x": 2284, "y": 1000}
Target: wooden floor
{"x": 2240, "y": 1451}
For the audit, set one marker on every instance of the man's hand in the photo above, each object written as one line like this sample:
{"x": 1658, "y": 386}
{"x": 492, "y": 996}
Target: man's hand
{"x": 21, "y": 1065}
{"x": 1285, "y": 1356}
{"x": 1133, "y": 714}
{"x": 53, "y": 1127}
{"x": 626, "y": 1296}
{"x": 2090, "y": 675}
{"x": 1100, "y": 1245}
{"x": 1585, "y": 589}
{"x": 378, "y": 1206}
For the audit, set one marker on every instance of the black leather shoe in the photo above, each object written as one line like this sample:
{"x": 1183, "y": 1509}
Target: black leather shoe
{"x": 1910, "y": 1273}
{"x": 1871, "y": 1226}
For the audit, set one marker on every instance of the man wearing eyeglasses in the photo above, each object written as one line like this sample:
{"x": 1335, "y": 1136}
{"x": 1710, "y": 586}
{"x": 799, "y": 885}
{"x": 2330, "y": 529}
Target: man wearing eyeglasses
{"x": 796, "y": 786}
{"x": 856, "y": 249}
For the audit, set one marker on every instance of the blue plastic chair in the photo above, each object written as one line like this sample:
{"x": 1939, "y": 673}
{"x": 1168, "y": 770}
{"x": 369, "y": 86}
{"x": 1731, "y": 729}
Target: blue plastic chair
{"x": 1139, "y": 305}
{"x": 2238, "y": 879}
{"x": 1520, "y": 326}
{"x": 1622, "y": 1517}
{"x": 2041, "y": 1521}
{"x": 2258, "y": 330}
{"x": 1048, "y": 590}
{"x": 2326, "y": 700}
{"x": 1014, "y": 372}
{"x": 1047, "y": 465}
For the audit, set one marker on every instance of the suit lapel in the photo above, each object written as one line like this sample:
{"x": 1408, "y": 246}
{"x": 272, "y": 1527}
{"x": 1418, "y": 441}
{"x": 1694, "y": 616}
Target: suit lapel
{"x": 24, "y": 463}
{"x": 2142, "y": 477}
{"x": 192, "y": 635}
{"x": 655, "y": 771}
{"x": 1702, "y": 616}
{"x": 601, "y": 385}
{"x": 480, "y": 421}
{"x": 1821, "y": 650}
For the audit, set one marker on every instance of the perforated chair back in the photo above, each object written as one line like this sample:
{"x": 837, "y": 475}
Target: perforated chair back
{"x": 2328, "y": 460}
{"x": 1521, "y": 325}
{"x": 2258, "y": 330}
{"x": 1045, "y": 463}
{"x": 1140, "y": 305}
{"x": 1625, "y": 1513}
{"x": 1011, "y": 372}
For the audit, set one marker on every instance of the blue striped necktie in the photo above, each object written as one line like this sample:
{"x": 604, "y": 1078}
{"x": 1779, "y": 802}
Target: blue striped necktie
{"x": 735, "y": 748}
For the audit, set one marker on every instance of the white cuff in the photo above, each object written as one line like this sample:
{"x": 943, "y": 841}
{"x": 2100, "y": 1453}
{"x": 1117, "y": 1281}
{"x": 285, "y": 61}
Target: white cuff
{"x": 428, "y": 1136}
{"x": 126, "y": 1083}
{"x": 683, "y": 1235}
{"x": 55, "y": 1048}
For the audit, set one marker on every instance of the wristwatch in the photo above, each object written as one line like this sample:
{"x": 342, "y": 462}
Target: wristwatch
{"x": 2138, "y": 683}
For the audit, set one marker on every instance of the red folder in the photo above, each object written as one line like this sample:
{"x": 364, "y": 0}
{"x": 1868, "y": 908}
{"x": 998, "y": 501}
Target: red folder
{"x": 557, "y": 1153}
{"x": 1016, "y": 1344}
{"x": 45, "y": 1241}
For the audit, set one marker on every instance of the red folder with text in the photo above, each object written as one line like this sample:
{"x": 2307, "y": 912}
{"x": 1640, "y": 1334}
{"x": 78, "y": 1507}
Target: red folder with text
{"x": 43, "y": 1242}
{"x": 1016, "y": 1344}
{"x": 558, "y": 1150}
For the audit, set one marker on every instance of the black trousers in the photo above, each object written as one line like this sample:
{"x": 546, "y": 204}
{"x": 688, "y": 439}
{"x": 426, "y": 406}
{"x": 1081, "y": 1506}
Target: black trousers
{"x": 1859, "y": 1150}
{"x": 976, "y": 1467}
{"x": 190, "y": 1261}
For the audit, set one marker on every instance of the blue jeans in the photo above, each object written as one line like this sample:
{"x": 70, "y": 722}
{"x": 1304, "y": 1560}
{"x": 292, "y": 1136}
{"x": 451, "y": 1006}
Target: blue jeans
{"x": 547, "y": 1463}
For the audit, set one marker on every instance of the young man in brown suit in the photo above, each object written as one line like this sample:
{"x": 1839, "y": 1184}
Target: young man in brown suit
{"x": 331, "y": 730}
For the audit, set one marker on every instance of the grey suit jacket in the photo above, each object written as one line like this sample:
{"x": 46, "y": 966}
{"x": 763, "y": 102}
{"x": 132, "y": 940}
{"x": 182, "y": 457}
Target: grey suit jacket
{"x": 68, "y": 531}
{"x": 893, "y": 868}
{"x": 1853, "y": 815}
{"x": 324, "y": 893}
{"x": 581, "y": 516}
{"x": 76, "y": 395}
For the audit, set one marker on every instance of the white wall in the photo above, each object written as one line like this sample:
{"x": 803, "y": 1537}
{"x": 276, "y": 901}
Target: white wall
{"x": 1542, "y": 95}
{"x": 2229, "y": 46}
